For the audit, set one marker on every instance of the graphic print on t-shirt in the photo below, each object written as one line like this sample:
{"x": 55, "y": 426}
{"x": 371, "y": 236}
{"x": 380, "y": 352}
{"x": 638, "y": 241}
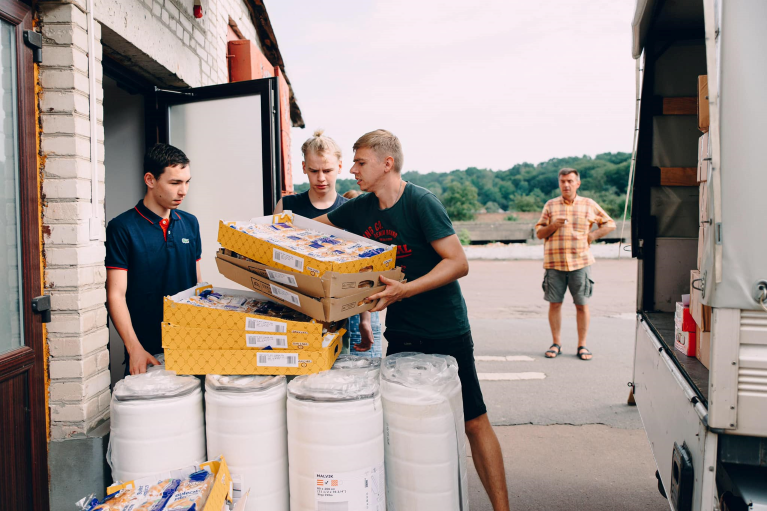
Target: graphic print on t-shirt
{"x": 389, "y": 237}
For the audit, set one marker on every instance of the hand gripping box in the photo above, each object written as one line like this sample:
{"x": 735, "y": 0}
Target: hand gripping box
{"x": 222, "y": 483}
{"x": 254, "y": 361}
{"x": 322, "y": 309}
{"x": 330, "y": 285}
{"x": 281, "y": 258}
{"x": 183, "y": 314}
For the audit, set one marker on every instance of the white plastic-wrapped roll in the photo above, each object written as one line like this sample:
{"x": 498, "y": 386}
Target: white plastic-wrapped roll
{"x": 335, "y": 442}
{"x": 246, "y": 423}
{"x": 425, "y": 436}
{"x": 157, "y": 425}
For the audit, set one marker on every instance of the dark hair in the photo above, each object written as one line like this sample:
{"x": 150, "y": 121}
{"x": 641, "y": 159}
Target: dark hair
{"x": 161, "y": 156}
{"x": 567, "y": 171}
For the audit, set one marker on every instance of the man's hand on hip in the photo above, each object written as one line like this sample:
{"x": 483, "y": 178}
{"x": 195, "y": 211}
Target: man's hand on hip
{"x": 394, "y": 292}
{"x": 139, "y": 359}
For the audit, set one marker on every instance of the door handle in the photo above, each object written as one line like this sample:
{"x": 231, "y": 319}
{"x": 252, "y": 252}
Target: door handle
{"x": 42, "y": 305}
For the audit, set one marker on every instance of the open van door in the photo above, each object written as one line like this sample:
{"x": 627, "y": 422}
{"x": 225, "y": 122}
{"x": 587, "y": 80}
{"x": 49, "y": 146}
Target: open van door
{"x": 231, "y": 134}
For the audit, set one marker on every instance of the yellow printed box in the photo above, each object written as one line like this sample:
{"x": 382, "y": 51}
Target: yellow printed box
{"x": 282, "y": 258}
{"x": 183, "y": 314}
{"x": 220, "y": 491}
{"x": 253, "y": 361}
{"x": 188, "y": 338}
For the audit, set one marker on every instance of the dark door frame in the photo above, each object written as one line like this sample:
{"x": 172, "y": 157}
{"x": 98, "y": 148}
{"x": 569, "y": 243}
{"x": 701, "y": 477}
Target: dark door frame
{"x": 271, "y": 146}
{"x": 29, "y": 359}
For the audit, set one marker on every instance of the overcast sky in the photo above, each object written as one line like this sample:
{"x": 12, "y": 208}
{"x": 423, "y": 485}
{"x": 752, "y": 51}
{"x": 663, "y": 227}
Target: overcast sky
{"x": 481, "y": 83}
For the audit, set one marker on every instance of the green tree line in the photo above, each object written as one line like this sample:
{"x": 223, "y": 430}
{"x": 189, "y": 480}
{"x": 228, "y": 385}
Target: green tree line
{"x": 523, "y": 187}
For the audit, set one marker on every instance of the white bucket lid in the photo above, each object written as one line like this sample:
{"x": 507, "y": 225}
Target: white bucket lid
{"x": 335, "y": 386}
{"x": 156, "y": 384}
{"x": 242, "y": 383}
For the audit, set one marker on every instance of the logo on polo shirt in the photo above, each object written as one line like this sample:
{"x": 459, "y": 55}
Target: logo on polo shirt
{"x": 185, "y": 240}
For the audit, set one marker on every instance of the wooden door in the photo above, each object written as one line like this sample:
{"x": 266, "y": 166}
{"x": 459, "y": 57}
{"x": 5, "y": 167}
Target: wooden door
{"x": 23, "y": 438}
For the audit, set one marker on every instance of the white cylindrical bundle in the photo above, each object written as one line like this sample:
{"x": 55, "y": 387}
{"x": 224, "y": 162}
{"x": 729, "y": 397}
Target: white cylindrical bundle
{"x": 425, "y": 436}
{"x": 157, "y": 425}
{"x": 349, "y": 361}
{"x": 335, "y": 442}
{"x": 246, "y": 423}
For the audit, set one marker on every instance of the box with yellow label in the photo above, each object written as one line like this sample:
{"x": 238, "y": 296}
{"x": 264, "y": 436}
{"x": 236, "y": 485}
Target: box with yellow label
{"x": 254, "y": 361}
{"x": 283, "y": 258}
{"x": 222, "y": 482}
{"x": 184, "y": 314}
{"x": 189, "y": 338}
{"x": 322, "y": 309}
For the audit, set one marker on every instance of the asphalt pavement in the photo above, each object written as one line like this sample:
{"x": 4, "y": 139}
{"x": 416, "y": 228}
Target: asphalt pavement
{"x": 570, "y": 441}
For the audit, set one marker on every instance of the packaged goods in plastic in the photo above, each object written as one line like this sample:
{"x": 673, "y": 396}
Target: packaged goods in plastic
{"x": 143, "y": 497}
{"x": 246, "y": 422}
{"x": 349, "y": 361}
{"x": 206, "y": 486}
{"x": 157, "y": 425}
{"x": 335, "y": 442}
{"x": 425, "y": 437}
{"x": 297, "y": 244}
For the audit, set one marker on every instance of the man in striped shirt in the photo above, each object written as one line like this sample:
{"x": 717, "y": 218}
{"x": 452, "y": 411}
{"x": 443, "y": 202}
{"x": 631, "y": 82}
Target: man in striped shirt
{"x": 565, "y": 225}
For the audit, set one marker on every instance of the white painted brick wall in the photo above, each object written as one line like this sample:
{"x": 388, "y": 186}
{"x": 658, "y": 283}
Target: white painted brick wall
{"x": 194, "y": 51}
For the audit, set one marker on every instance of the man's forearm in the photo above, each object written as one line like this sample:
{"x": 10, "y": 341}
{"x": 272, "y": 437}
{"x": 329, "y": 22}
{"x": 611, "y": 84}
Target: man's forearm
{"x": 446, "y": 271}
{"x": 602, "y": 231}
{"x": 118, "y": 312}
{"x": 545, "y": 232}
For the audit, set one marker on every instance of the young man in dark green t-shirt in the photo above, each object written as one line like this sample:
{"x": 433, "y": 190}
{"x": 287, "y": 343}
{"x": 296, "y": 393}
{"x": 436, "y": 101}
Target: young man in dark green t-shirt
{"x": 427, "y": 314}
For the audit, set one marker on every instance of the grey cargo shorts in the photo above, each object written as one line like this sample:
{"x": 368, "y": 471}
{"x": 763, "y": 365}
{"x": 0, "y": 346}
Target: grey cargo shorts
{"x": 556, "y": 283}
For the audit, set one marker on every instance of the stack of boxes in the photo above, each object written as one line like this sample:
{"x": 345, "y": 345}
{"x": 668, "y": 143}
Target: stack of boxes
{"x": 701, "y": 313}
{"x": 202, "y": 340}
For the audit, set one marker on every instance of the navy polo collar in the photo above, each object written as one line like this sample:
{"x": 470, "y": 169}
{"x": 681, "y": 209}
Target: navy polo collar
{"x": 152, "y": 217}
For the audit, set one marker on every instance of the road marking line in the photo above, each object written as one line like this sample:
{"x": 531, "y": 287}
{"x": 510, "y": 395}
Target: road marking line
{"x": 509, "y": 358}
{"x": 510, "y": 376}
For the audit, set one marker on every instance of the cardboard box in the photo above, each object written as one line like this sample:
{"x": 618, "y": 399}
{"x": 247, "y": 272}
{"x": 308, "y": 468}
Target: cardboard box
{"x": 220, "y": 491}
{"x": 253, "y": 361}
{"x": 703, "y": 349}
{"x": 685, "y": 342}
{"x": 703, "y": 119}
{"x": 189, "y": 338}
{"x": 703, "y": 158}
{"x": 283, "y": 259}
{"x": 201, "y": 317}
{"x": 322, "y": 309}
{"x": 683, "y": 319}
{"x": 700, "y": 313}
{"x": 702, "y": 237}
{"x": 703, "y": 203}
{"x": 330, "y": 285}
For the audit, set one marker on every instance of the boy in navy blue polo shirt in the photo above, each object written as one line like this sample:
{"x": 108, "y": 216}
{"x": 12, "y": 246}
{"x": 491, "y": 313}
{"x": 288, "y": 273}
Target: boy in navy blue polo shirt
{"x": 153, "y": 250}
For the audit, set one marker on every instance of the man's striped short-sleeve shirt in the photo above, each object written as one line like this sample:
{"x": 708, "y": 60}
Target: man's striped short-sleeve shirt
{"x": 568, "y": 248}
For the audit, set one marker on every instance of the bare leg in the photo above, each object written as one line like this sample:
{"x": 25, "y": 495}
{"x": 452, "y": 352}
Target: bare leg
{"x": 583, "y": 317}
{"x": 488, "y": 460}
{"x": 555, "y": 321}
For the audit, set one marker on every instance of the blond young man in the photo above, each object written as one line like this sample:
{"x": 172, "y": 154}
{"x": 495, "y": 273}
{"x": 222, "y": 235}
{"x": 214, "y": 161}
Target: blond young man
{"x": 428, "y": 313}
{"x": 565, "y": 225}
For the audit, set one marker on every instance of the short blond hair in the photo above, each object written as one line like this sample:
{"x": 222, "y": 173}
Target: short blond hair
{"x": 383, "y": 143}
{"x": 320, "y": 144}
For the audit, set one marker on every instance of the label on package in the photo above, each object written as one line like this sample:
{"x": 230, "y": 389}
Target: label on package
{"x": 282, "y": 278}
{"x": 264, "y": 325}
{"x": 265, "y": 340}
{"x": 268, "y": 359}
{"x": 361, "y": 490}
{"x": 286, "y": 295}
{"x": 288, "y": 259}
